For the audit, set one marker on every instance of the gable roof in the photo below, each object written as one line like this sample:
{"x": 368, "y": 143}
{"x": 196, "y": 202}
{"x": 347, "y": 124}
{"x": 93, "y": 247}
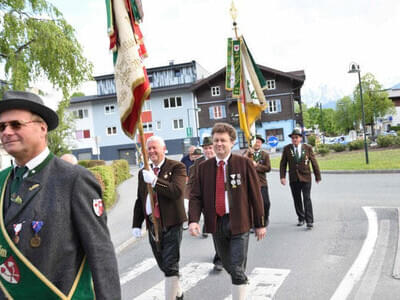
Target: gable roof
{"x": 295, "y": 75}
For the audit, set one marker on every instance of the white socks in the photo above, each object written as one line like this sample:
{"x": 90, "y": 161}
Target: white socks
{"x": 172, "y": 288}
{"x": 239, "y": 292}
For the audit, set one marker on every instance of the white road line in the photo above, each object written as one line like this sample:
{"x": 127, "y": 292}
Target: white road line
{"x": 357, "y": 269}
{"x": 396, "y": 266}
{"x": 192, "y": 273}
{"x": 370, "y": 279}
{"x": 264, "y": 283}
{"x": 137, "y": 270}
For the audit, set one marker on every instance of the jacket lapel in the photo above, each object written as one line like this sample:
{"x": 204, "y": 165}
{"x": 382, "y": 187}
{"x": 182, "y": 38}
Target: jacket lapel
{"x": 27, "y": 191}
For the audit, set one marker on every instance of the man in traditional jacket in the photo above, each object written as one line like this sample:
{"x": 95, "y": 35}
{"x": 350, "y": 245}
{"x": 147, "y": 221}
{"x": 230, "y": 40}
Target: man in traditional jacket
{"x": 262, "y": 164}
{"x": 227, "y": 192}
{"x": 54, "y": 239}
{"x": 299, "y": 156}
{"x": 167, "y": 179}
{"x": 208, "y": 150}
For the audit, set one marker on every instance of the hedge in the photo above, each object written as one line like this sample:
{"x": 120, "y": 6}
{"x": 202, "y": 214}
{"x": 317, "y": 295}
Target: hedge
{"x": 323, "y": 149}
{"x": 121, "y": 170}
{"x": 356, "y": 145}
{"x": 107, "y": 175}
{"x": 311, "y": 140}
{"x": 91, "y": 163}
{"x": 338, "y": 147}
{"x": 385, "y": 140}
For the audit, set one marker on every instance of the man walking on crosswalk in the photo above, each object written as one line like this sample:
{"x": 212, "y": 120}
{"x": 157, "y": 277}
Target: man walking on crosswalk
{"x": 167, "y": 179}
{"x": 227, "y": 192}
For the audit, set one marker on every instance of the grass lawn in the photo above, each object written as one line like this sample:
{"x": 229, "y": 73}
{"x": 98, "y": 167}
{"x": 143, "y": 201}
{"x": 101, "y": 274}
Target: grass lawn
{"x": 379, "y": 159}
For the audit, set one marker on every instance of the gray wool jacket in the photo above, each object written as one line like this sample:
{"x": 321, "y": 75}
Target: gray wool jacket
{"x": 61, "y": 195}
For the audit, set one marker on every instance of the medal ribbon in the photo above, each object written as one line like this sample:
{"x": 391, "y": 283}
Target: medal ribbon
{"x": 37, "y": 225}
{"x": 17, "y": 228}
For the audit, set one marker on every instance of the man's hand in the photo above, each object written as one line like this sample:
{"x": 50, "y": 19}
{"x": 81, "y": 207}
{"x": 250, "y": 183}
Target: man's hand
{"x": 194, "y": 229}
{"x": 318, "y": 181}
{"x": 255, "y": 163}
{"x": 136, "y": 232}
{"x": 283, "y": 181}
{"x": 260, "y": 233}
{"x": 149, "y": 177}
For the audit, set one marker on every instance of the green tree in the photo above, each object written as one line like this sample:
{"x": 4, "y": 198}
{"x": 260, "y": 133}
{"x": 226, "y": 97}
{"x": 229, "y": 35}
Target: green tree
{"x": 36, "y": 41}
{"x": 376, "y": 102}
{"x": 345, "y": 117}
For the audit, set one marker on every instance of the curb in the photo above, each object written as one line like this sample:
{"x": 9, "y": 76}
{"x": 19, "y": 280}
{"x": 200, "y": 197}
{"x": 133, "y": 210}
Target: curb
{"x": 390, "y": 171}
{"x": 396, "y": 266}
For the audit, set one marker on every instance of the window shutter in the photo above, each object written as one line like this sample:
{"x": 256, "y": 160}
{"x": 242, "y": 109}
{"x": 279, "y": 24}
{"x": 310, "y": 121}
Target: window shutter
{"x": 211, "y": 112}
{"x": 223, "y": 112}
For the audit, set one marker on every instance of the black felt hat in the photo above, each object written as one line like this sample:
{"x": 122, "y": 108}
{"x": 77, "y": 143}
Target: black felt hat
{"x": 259, "y": 137}
{"x": 31, "y": 102}
{"x": 207, "y": 141}
{"x": 296, "y": 132}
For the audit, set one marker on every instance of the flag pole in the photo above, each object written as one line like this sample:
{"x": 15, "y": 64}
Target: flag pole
{"x": 149, "y": 187}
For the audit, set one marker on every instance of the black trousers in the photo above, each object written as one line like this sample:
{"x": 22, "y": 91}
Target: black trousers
{"x": 267, "y": 203}
{"x": 303, "y": 206}
{"x": 167, "y": 255}
{"x": 232, "y": 250}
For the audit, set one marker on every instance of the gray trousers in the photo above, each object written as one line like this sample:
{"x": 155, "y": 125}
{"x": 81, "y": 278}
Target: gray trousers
{"x": 232, "y": 250}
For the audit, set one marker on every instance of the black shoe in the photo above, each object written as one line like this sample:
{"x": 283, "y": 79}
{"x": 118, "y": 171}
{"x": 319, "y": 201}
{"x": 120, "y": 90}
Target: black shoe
{"x": 218, "y": 267}
{"x": 301, "y": 223}
{"x": 251, "y": 230}
{"x": 180, "y": 297}
{"x": 310, "y": 225}
{"x": 205, "y": 235}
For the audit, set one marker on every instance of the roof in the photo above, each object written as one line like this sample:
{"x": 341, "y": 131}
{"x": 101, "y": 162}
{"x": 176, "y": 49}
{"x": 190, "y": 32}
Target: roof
{"x": 396, "y": 87}
{"x": 295, "y": 75}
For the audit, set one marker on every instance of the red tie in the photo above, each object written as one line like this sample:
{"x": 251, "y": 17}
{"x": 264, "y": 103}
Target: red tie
{"x": 156, "y": 211}
{"x": 220, "y": 190}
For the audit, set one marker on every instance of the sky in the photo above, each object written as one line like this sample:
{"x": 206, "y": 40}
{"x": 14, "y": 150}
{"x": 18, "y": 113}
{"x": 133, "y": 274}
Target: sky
{"x": 320, "y": 37}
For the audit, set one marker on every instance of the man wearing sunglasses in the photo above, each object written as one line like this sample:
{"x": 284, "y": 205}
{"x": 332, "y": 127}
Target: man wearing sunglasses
{"x": 54, "y": 240}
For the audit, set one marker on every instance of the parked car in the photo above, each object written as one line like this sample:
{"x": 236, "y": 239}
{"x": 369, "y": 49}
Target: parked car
{"x": 390, "y": 132}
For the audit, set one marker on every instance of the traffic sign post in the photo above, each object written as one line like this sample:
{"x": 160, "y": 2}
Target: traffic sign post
{"x": 273, "y": 142}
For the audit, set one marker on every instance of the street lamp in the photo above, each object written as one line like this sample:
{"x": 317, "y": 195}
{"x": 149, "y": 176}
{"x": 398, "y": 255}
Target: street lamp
{"x": 195, "y": 109}
{"x": 355, "y": 68}
{"x": 322, "y": 122}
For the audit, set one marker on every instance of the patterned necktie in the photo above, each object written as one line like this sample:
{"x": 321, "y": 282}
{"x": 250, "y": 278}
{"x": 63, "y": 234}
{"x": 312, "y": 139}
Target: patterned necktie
{"x": 18, "y": 177}
{"x": 220, "y": 190}
{"x": 296, "y": 153}
{"x": 156, "y": 211}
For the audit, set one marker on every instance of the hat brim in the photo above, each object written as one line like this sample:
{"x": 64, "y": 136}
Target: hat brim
{"x": 261, "y": 139}
{"x": 47, "y": 114}
{"x": 292, "y": 134}
{"x": 207, "y": 144}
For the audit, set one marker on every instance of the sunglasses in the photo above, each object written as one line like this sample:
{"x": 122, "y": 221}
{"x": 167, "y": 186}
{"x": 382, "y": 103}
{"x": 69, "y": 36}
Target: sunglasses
{"x": 16, "y": 124}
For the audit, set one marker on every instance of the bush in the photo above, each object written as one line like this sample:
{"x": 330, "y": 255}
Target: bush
{"x": 356, "y": 145}
{"x": 91, "y": 163}
{"x": 385, "y": 140}
{"x": 107, "y": 175}
{"x": 338, "y": 147}
{"x": 311, "y": 140}
{"x": 397, "y": 140}
{"x": 121, "y": 170}
{"x": 323, "y": 149}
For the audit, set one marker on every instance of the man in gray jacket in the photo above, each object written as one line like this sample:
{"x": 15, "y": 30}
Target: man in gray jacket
{"x": 52, "y": 220}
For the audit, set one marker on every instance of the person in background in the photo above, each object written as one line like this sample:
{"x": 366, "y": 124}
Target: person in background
{"x": 69, "y": 158}
{"x": 299, "y": 157}
{"x": 188, "y": 159}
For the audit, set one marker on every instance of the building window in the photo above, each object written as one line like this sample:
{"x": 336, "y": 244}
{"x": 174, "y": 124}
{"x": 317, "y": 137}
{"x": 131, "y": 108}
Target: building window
{"x": 146, "y": 105}
{"x": 80, "y": 113}
{"x": 172, "y": 102}
{"x": 177, "y": 124}
{"x": 177, "y": 72}
{"x": 147, "y": 127}
{"x": 277, "y": 132}
{"x": 242, "y": 140}
{"x": 111, "y": 130}
{"x": 274, "y": 106}
{"x": 109, "y": 109}
{"x": 158, "y": 125}
{"x": 150, "y": 78}
{"x": 217, "y": 112}
{"x": 82, "y": 134}
{"x": 215, "y": 91}
{"x": 271, "y": 85}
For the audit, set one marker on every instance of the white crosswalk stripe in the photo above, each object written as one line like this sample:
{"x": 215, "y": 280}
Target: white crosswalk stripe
{"x": 192, "y": 273}
{"x": 137, "y": 270}
{"x": 264, "y": 283}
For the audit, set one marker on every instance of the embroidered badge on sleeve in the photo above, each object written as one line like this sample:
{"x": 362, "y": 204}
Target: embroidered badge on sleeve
{"x": 98, "y": 207}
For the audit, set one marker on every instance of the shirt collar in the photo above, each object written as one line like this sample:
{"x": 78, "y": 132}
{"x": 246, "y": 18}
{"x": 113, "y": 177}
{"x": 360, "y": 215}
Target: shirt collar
{"x": 159, "y": 165}
{"x": 225, "y": 159}
{"x": 37, "y": 160}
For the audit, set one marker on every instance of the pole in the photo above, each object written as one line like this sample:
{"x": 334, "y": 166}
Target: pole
{"x": 363, "y": 120}
{"x": 149, "y": 187}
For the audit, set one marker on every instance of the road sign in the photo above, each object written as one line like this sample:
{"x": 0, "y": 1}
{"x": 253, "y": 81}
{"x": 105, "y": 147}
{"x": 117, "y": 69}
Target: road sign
{"x": 189, "y": 131}
{"x": 273, "y": 141}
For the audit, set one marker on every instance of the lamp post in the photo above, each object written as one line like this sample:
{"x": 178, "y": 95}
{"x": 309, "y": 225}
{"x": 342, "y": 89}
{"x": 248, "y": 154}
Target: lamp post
{"x": 322, "y": 122}
{"x": 355, "y": 68}
{"x": 195, "y": 109}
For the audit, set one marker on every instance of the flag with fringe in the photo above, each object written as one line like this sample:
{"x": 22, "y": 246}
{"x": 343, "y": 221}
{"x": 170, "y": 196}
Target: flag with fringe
{"x": 126, "y": 41}
{"x": 242, "y": 73}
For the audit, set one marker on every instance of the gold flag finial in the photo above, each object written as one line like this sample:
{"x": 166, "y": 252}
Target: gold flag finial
{"x": 233, "y": 12}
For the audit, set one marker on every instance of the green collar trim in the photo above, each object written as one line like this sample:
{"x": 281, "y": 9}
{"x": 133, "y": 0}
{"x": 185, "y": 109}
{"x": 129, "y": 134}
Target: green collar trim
{"x": 41, "y": 165}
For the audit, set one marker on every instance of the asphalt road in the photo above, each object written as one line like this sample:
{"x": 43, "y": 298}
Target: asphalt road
{"x": 351, "y": 252}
